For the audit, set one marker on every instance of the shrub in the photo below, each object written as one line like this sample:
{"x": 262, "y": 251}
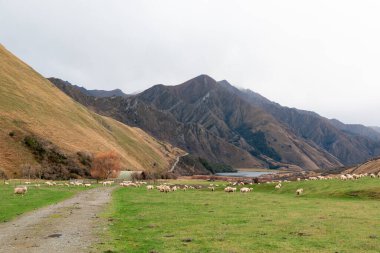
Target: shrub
{"x": 105, "y": 165}
{"x": 35, "y": 145}
{"x": 3, "y": 175}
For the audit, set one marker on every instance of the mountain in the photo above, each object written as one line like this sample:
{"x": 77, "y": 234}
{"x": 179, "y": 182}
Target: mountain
{"x": 94, "y": 93}
{"x": 41, "y": 125}
{"x": 377, "y": 129}
{"x": 356, "y": 129}
{"x": 224, "y": 124}
{"x": 351, "y": 144}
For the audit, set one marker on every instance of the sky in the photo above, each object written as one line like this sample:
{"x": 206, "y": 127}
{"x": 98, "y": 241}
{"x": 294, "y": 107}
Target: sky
{"x": 322, "y": 56}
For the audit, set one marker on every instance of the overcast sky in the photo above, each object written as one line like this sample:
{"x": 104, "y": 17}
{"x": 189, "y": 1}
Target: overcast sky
{"x": 315, "y": 55}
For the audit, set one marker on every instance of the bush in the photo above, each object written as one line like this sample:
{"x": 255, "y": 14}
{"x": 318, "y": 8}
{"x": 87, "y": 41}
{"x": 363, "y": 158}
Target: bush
{"x": 35, "y": 146}
{"x": 152, "y": 175}
{"x": 3, "y": 175}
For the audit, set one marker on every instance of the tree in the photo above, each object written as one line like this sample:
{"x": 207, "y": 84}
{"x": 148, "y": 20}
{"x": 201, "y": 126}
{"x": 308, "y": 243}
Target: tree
{"x": 3, "y": 175}
{"x": 105, "y": 165}
{"x": 27, "y": 171}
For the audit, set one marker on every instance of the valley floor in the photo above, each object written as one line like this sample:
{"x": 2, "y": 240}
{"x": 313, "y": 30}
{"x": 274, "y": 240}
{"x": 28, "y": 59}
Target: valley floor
{"x": 332, "y": 216}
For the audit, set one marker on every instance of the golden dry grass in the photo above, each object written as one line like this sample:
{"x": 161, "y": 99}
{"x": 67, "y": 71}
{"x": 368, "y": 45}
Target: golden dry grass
{"x": 30, "y": 103}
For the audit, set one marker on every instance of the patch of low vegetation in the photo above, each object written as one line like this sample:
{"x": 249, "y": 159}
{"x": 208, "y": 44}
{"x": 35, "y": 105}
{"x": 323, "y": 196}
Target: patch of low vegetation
{"x": 259, "y": 141}
{"x": 216, "y": 167}
{"x": 193, "y": 165}
{"x": 331, "y": 216}
{"x": 152, "y": 175}
{"x": 54, "y": 163}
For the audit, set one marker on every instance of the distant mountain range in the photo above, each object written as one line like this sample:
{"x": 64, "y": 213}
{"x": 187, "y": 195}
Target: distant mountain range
{"x": 94, "y": 93}
{"x": 221, "y": 123}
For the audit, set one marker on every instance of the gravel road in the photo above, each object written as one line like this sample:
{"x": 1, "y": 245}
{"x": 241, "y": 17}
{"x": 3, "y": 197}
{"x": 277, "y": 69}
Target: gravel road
{"x": 68, "y": 226}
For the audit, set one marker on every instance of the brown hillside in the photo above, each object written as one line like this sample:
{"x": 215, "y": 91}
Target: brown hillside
{"x": 372, "y": 166}
{"x": 30, "y": 104}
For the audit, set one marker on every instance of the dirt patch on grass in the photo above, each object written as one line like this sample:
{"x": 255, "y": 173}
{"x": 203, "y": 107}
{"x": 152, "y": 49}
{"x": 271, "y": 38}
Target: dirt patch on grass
{"x": 69, "y": 226}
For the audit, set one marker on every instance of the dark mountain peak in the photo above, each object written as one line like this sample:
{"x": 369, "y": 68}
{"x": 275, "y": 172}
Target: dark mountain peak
{"x": 203, "y": 82}
{"x": 93, "y": 93}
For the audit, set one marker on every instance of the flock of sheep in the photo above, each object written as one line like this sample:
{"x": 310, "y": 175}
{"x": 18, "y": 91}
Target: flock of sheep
{"x": 22, "y": 190}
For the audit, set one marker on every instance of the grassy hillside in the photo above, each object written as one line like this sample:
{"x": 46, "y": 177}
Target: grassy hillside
{"x": 30, "y": 104}
{"x": 372, "y": 166}
{"x": 332, "y": 216}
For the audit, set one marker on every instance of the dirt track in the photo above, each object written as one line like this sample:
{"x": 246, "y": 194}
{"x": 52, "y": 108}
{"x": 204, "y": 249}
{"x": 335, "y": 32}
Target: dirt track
{"x": 69, "y": 226}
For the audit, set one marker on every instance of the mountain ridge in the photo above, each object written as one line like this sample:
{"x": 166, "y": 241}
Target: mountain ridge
{"x": 182, "y": 105}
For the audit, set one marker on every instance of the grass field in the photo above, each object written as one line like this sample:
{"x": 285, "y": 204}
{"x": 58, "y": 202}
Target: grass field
{"x": 332, "y": 216}
{"x": 13, "y": 205}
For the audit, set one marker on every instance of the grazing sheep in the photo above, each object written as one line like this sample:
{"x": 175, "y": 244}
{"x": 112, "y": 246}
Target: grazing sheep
{"x": 164, "y": 188}
{"x": 278, "y": 186}
{"x": 230, "y": 189}
{"x": 7, "y": 183}
{"x": 299, "y": 192}
{"x": 20, "y": 190}
{"x": 149, "y": 187}
{"x": 28, "y": 182}
{"x": 298, "y": 179}
{"x": 373, "y": 175}
{"x": 343, "y": 177}
{"x": 49, "y": 183}
{"x": 245, "y": 189}
{"x": 211, "y": 188}
{"x": 87, "y": 185}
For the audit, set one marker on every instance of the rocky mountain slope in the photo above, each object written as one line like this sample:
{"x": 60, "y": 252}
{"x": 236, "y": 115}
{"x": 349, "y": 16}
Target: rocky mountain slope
{"x": 351, "y": 144}
{"x": 38, "y": 122}
{"x": 217, "y": 121}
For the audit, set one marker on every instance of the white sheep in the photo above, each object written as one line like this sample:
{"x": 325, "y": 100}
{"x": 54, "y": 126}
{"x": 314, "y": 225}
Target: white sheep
{"x": 299, "y": 192}
{"x": 20, "y": 190}
{"x": 87, "y": 185}
{"x": 278, "y": 186}
{"x": 149, "y": 187}
{"x": 245, "y": 189}
{"x": 230, "y": 189}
